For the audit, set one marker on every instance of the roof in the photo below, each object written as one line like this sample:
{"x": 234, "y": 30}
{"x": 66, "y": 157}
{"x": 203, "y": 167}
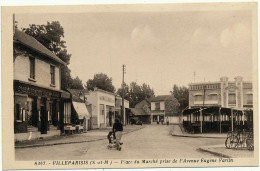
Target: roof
{"x": 142, "y": 103}
{"x": 138, "y": 111}
{"x": 104, "y": 91}
{"x": 35, "y": 45}
{"x": 75, "y": 94}
{"x": 163, "y": 98}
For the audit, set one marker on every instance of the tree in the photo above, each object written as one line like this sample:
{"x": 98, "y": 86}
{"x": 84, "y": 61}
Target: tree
{"x": 135, "y": 93}
{"x": 182, "y": 95}
{"x": 101, "y": 81}
{"x": 76, "y": 83}
{"x": 50, "y": 36}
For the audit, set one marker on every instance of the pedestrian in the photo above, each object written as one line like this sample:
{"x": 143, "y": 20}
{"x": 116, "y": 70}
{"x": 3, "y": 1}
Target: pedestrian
{"x": 162, "y": 121}
{"x": 118, "y": 130}
{"x": 167, "y": 121}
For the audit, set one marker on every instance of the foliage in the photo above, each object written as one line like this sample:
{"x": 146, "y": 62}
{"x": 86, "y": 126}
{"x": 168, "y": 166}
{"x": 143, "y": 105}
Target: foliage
{"x": 101, "y": 81}
{"x": 135, "y": 93}
{"x": 76, "y": 83}
{"x": 182, "y": 95}
{"x": 50, "y": 36}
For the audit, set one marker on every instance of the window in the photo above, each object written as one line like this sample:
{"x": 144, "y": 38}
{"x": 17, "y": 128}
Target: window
{"x": 198, "y": 98}
{"x": 249, "y": 98}
{"x": 52, "y": 75}
{"x": 102, "y": 110}
{"x": 213, "y": 97}
{"x": 32, "y": 67}
{"x": 232, "y": 99}
{"x": 67, "y": 112}
{"x": 20, "y": 113}
{"x": 157, "y": 106}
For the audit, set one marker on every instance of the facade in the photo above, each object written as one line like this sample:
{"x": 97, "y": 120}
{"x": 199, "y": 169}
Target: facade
{"x": 219, "y": 106}
{"x": 163, "y": 106}
{"x": 142, "y": 111}
{"x": 38, "y": 98}
{"x": 230, "y": 94}
{"x": 103, "y": 107}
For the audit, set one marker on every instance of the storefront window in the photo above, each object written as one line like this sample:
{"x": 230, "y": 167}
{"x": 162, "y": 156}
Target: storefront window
{"x": 67, "y": 112}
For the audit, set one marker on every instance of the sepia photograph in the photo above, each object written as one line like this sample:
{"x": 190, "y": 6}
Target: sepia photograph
{"x": 130, "y": 86}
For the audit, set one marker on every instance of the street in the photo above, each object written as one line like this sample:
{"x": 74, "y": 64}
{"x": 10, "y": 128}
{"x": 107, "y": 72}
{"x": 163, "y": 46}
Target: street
{"x": 153, "y": 141}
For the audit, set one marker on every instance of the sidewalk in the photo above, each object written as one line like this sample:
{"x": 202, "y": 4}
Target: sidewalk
{"x": 177, "y": 131}
{"x": 222, "y": 151}
{"x": 92, "y": 135}
{"x": 217, "y": 150}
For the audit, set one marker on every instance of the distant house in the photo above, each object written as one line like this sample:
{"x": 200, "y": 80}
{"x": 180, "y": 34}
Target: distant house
{"x": 142, "y": 111}
{"x": 164, "y": 106}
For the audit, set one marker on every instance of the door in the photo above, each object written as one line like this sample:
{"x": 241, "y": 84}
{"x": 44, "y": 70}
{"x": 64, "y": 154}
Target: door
{"x": 44, "y": 117}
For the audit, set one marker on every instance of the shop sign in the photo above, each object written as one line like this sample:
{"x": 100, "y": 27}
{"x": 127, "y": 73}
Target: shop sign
{"x": 35, "y": 91}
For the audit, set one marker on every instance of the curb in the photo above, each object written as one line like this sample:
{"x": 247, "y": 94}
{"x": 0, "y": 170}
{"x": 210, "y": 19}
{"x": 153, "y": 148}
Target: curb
{"x": 214, "y": 153}
{"x": 191, "y": 136}
{"x": 74, "y": 142}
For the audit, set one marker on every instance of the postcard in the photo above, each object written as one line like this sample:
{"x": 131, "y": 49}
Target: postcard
{"x": 130, "y": 86}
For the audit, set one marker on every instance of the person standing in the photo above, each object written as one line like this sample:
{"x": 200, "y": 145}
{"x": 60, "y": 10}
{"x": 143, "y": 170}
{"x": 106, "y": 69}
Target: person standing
{"x": 162, "y": 121}
{"x": 118, "y": 130}
{"x": 167, "y": 121}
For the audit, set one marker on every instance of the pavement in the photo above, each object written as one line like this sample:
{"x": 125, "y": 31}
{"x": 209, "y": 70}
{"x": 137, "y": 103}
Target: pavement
{"x": 217, "y": 150}
{"x": 89, "y": 136}
{"x": 151, "y": 142}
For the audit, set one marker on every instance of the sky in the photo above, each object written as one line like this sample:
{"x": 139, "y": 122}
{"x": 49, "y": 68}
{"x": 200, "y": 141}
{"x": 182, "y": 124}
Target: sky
{"x": 158, "y": 48}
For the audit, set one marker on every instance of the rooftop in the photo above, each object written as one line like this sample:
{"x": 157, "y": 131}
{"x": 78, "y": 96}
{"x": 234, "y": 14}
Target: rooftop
{"x": 35, "y": 45}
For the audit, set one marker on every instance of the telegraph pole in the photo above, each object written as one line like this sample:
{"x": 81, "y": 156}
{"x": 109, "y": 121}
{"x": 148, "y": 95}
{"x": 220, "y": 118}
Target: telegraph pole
{"x": 123, "y": 96}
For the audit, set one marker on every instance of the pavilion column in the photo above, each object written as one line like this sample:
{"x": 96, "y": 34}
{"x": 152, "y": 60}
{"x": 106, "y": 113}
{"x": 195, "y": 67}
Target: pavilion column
{"x": 232, "y": 121}
{"x": 220, "y": 119}
{"x": 200, "y": 120}
{"x": 243, "y": 117}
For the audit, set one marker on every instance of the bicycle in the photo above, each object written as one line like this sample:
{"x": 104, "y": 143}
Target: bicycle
{"x": 232, "y": 140}
{"x": 240, "y": 138}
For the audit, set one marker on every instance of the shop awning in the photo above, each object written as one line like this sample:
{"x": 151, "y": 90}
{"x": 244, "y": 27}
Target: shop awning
{"x": 81, "y": 109}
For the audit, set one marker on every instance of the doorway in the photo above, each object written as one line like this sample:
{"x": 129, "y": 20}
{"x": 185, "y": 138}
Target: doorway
{"x": 44, "y": 117}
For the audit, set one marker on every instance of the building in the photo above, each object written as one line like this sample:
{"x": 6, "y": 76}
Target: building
{"x": 225, "y": 93}
{"x": 79, "y": 116}
{"x": 163, "y": 106}
{"x": 142, "y": 111}
{"x": 118, "y": 110}
{"x": 219, "y": 106}
{"x": 38, "y": 98}
{"x": 103, "y": 108}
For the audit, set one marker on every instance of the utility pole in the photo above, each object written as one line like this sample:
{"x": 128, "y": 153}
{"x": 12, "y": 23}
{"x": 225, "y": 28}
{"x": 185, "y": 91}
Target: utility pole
{"x": 194, "y": 74}
{"x": 123, "y": 95}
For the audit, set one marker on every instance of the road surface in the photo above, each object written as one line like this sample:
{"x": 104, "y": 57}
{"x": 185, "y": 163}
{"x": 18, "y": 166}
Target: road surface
{"x": 154, "y": 141}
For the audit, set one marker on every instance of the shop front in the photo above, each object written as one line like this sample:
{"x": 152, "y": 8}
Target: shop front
{"x": 36, "y": 110}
